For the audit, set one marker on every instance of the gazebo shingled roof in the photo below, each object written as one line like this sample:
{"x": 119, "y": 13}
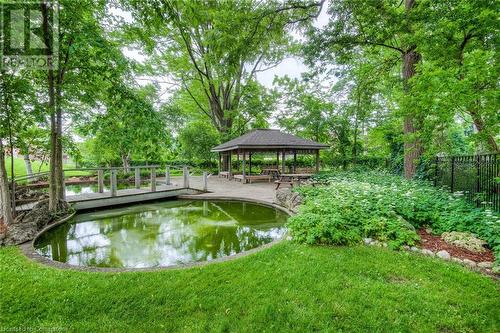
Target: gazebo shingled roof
{"x": 271, "y": 139}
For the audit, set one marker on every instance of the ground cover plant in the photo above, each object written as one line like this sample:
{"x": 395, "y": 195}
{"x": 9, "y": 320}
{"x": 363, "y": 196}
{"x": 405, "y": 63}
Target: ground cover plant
{"x": 379, "y": 205}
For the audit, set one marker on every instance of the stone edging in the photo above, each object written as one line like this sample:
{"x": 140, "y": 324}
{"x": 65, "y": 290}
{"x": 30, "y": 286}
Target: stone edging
{"x": 29, "y": 251}
{"x": 484, "y": 267}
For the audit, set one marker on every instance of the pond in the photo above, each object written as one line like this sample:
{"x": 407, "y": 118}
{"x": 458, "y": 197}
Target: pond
{"x": 75, "y": 189}
{"x": 162, "y": 233}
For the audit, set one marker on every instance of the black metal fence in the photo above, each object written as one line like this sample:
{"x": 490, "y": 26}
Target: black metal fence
{"x": 477, "y": 176}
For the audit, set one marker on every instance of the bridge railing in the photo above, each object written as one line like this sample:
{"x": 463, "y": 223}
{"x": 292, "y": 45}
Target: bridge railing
{"x": 99, "y": 175}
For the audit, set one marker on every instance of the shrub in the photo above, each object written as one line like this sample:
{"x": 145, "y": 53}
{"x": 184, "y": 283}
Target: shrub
{"x": 386, "y": 207}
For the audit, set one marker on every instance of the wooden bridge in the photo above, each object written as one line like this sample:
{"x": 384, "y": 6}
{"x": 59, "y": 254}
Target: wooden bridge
{"x": 158, "y": 189}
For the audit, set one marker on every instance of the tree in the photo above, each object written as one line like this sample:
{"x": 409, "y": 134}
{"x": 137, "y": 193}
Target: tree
{"x": 88, "y": 62}
{"x": 214, "y": 49}
{"x": 459, "y": 76}
{"x": 129, "y": 125}
{"x": 356, "y": 25}
{"x": 306, "y": 111}
{"x": 197, "y": 139}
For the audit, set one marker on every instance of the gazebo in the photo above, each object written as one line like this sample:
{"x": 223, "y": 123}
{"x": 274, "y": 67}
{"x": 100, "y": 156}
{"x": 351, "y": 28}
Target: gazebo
{"x": 265, "y": 141}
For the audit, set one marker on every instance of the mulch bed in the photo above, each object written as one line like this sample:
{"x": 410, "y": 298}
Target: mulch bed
{"x": 435, "y": 243}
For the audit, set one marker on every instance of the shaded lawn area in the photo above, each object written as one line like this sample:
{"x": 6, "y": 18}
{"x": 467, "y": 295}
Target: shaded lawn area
{"x": 288, "y": 287}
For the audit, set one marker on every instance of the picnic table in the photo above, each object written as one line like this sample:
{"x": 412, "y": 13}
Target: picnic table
{"x": 273, "y": 172}
{"x": 290, "y": 178}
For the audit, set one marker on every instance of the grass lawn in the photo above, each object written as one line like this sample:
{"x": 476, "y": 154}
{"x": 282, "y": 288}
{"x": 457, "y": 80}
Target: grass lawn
{"x": 20, "y": 168}
{"x": 288, "y": 287}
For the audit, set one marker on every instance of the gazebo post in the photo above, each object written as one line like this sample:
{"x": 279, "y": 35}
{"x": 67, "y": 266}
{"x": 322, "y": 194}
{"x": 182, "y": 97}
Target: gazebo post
{"x": 283, "y": 161}
{"x": 219, "y": 164}
{"x": 243, "y": 169}
{"x": 229, "y": 165}
{"x": 238, "y": 160}
{"x": 250, "y": 163}
{"x": 277, "y": 159}
{"x": 294, "y": 161}
{"x": 317, "y": 160}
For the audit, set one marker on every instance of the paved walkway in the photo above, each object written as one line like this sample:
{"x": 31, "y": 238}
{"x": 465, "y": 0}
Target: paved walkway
{"x": 221, "y": 187}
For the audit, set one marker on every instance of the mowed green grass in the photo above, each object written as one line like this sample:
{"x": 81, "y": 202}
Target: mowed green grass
{"x": 288, "y": 287}
{"x": 20, "y": 168}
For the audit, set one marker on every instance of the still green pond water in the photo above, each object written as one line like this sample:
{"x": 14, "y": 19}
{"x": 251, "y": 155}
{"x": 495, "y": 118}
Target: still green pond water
{"x": 162, "y": 234}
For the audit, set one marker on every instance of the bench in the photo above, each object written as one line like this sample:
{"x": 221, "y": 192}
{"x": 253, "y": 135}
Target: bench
{"x": 224, "y": 174}
{"x": 249, "y": 178}
{"x": 259, "y": 177}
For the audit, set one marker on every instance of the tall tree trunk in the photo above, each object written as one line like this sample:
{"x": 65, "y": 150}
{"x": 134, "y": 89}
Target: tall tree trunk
{"x": 412, "y": 145}
{"x": 55, "y": 176}
{"x": 59, "y": 148}
{"x": 126, "y": 162}
{"x": 5, "y": 199}
{"x": 481, "y": 128}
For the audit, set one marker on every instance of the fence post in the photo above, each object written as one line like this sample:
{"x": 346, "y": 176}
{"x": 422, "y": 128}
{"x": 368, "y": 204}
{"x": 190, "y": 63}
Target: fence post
{"x": 137, "y": 178}
{"x": 452, "y": 185}
{"x": 185, "y": 173}
{"x": 436, "y": 170}
{"x": 167, "y": 175}
{"x": 153, "y": 179}
{"x": 478, "y": 178}
{"x": 205, "y": 181}
{"x": 100, "y": 180}
{"x": 113, "y": 182}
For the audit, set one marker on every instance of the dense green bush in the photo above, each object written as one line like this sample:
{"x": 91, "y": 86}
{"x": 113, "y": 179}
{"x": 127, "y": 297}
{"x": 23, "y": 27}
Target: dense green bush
{"x": 386, "y": 207}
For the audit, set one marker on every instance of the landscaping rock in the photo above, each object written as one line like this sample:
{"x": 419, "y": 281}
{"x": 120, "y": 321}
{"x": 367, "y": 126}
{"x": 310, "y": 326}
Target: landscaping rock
{"x": 414, "y": 249}
{"x": 460, "y": 261}
{"x": 287, "y": 198}
{"x": 464, "y": 240}
{"x": 428, "y": 252}
{"x": 485, "y": 264}
{"x": 367, "y": 241}
{"x": 469, "y": 263}
{"x": 443, "y": 255}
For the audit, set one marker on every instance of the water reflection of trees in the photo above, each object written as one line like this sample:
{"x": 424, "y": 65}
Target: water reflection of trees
{"x": 164, "y": 233}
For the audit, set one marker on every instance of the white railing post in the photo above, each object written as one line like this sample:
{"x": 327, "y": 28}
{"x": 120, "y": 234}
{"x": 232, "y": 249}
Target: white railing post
{"x": 113, "y": 182}
{"x": 137, "y": 178}
{"x": 185, "y": 173}
{"x": 100, "y": 180}
{"x": 153, "y": 179}
{"x": 205, "y": 181}
{"x": 167, "y": 175}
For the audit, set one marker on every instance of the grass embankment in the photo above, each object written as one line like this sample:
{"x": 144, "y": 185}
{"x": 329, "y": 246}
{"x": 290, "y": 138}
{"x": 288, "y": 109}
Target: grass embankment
{"x": 288, "y": 287}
